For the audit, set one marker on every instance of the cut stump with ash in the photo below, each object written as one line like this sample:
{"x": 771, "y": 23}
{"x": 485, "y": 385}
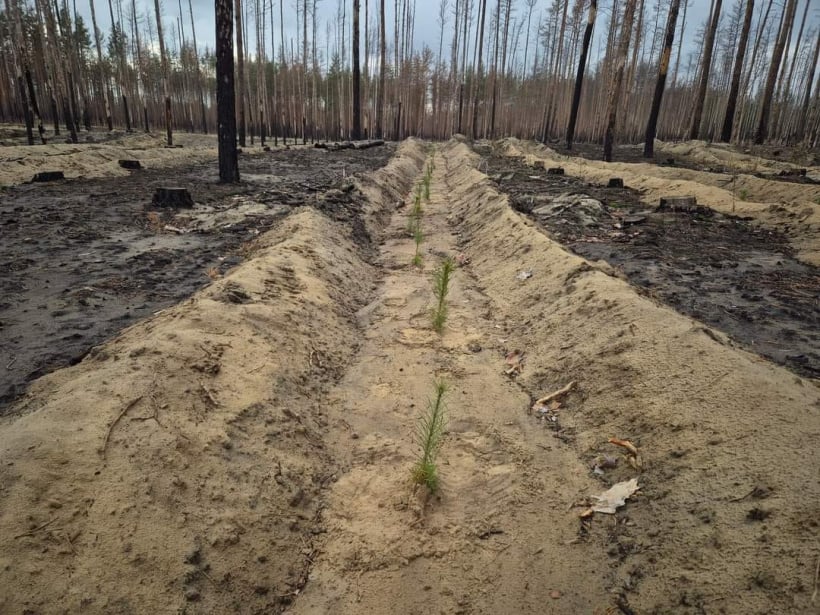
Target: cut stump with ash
{"x": 48, "y": 176}
{"x": 172, "y": 197}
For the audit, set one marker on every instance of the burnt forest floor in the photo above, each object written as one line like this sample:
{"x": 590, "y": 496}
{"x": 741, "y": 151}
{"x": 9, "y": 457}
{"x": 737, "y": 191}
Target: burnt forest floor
{"x": 634, "y": 154}
{"x": 724, "y": 271}
{"x": 83, "y": 259}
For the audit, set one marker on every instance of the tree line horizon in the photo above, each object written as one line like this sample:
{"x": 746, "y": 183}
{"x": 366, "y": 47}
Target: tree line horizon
{"x": 501, "y": 68}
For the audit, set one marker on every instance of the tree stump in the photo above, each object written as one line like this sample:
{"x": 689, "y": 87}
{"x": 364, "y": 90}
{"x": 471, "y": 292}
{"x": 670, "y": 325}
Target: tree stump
{"x": 555, "y": 171}
{"x": 172, "y": 197}
{"x": 133, "y": 165}
{"x": 615, "y": 182}
{"x": 678, "y": 203}
{"x": 48, "y": 176}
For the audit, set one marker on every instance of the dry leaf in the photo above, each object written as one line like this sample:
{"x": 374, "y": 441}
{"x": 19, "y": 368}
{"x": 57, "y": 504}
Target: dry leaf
{"x": 515, "y": 360}
{"x": 615, "y": 497}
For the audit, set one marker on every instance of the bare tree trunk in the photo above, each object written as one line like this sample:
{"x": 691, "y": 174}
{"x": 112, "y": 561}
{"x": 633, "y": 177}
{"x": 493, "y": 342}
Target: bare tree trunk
{"x": 660, "y": 84}
{"x": 804, "y": 111}
{"x": 777, "y": 55}
{"x": 225, "y": 95}
{"x": 203, "y": 118}
{"x": 357, "y": 76}
{"x": 479, "y": 74}
{"x": 617, "y": 79}
{"x": 709, "y": 47}
{"x": 166, "y": 86}
{"x": 579, "y": 77}
{"x": 731, "y": 104}
{"x": 382, "y": 72}
{"x": 240, "y": 52}
{"x": 103, "y": 77}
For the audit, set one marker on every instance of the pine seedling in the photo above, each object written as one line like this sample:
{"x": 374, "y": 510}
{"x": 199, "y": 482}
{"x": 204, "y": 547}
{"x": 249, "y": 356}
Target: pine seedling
{"x": 427, "y": 187}
{"x": 441, "y": 286}
{"x": 417, "y": 237}
{"x": 429, "y": 433}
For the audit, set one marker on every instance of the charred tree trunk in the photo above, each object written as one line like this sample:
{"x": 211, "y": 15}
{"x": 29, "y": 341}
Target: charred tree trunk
{"x": 804, "y": 110}
{"x": 382, "y": 73}
{"x": 660, "y": 84}
{"x": 617, "y": 79}
{"x": 480, "y": 72}
{"x": 709, "y": 47}
{"x": 164, "y": 59}
{"x": 225, "y": 95}
{"x": 579, "y": 77}
{"x": 240, "y": 52}
{"x": 357, "y": 76}
{"x": 777, "y": 55}
{"x": 734, "y": 89}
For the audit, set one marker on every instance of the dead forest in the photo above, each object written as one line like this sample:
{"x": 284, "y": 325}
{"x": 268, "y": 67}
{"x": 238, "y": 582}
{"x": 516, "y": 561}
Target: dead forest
{"x": 583, "y": 70}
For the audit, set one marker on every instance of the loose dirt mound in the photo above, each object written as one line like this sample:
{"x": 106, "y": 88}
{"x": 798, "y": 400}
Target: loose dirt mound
{"x": 788, "y": 207}
{"x": 726, "y": 519}
{"x": 177, "y": 467}
{"x": 117, "y": 258}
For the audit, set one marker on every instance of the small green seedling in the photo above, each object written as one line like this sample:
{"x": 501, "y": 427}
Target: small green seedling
{"x": 429, "y": 434}
{"x": 418, "y": 237}
{"x": 743, "y": 194}
{"x": 441, "y": 286}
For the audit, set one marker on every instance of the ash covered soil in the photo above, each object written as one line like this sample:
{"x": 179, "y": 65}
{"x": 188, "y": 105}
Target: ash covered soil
{"x": 725, "y": 271}
{"x": 81, "y": 259}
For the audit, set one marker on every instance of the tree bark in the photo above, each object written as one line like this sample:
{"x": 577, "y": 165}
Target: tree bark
{"x": 240, "y": 52}
{"x": 734, "y": 89}
{"x": 709, "y": 47}
{"x": 777, "y": 55}
{"x": 660, "y": 84}
{"x": 579, "y": 77}
{"x": 382, "y": 73}
{"x": 356, "y": 133}
{"x": 169, "y": 136}
{"x": 225, "y": 95}
{"x": 617, "y": 79}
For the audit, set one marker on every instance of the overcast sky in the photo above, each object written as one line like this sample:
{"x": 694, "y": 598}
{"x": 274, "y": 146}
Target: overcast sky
{"x": 426, "y": 31}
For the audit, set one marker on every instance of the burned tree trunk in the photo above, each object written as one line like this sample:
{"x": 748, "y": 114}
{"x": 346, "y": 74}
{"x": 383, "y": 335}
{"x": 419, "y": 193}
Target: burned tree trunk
{"x": 164, "y": 59}
{"x": 382, "y": 73}
{"x": 225, "y": 94}
{"x": 617, "y": 79}
{"x": 357, "y": 76}
{"x": 579, "y": 77}
{"x": 734, "y": 89}
{"x": 777, "y": 55}
{"x": 660, "y": 84}
{"x": 240, "y": 52}
{"x": 706, "y": 68}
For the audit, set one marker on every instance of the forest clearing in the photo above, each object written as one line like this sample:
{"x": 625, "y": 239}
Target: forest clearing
{"x": 462, "y": 307}
{"x": 235, "y": 430}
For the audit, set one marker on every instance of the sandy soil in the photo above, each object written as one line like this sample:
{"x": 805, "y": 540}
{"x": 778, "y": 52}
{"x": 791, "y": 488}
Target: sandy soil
{"x": 249, "y": 450}
{"x": 729, "y": 273}
{"x": 792, "y": 208}
{"x": 117, "y": 258}
{"x": 98, "y": 157}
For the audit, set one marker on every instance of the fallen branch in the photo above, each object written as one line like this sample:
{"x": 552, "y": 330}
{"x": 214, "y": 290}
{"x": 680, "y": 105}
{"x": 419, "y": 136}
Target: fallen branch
{"x": 210, "y": 395}
{"x": 635, "y": 459}
{"x": 555, "y": 395}
{"x": 45, "y": 525}
{"x": 130, "y": 405}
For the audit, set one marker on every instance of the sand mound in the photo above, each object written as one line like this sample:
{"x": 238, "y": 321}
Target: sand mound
{"x": 789, "y": 207}
{"x": 180, "y": 462}
{"x": 730, "y": 481}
